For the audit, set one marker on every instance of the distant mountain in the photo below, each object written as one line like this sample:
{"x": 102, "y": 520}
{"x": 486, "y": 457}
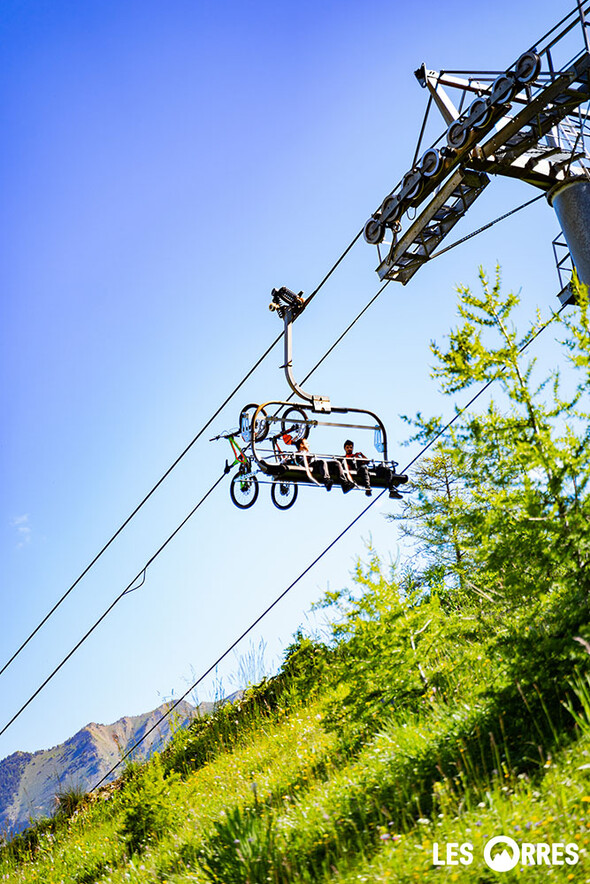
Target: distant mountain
{"x": 29, "y": 781}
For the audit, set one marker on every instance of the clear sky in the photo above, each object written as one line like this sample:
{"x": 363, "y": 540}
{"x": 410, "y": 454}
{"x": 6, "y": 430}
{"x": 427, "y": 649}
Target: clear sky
{"x": 164, "y": 165}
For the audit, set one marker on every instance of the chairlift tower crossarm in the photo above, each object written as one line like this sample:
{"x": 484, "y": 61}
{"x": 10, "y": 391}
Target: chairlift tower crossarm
{"x": 527, "y": 122}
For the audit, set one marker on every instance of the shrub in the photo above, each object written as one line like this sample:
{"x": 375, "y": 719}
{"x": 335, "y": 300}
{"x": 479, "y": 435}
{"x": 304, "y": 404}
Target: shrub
{"x": 148, "y": 809}
{"x": 69, "y": 800}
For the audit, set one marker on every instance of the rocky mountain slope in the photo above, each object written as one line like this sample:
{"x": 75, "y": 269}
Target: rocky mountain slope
{"x": 29, "y": 782}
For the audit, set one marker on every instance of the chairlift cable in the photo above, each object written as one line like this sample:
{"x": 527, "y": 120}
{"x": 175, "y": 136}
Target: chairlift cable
{"x": 128, "y": 589}
{"x": 234, "y": 644}
{"x": 334, "y": 267}
{"x": 487, "y": 226}
{"x": 306, "y": 571}
{"x": 386, "y": 283}
{"x": 344, "y": 333}
{"x": 170, "y": 469}
{"x": 140, "y": 505}
{"x": 141, "y": 574}
{"x": 483, "y": 389}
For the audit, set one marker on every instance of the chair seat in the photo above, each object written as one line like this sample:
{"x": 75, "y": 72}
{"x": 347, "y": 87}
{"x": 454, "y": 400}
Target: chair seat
{"x": 294, "y": 473}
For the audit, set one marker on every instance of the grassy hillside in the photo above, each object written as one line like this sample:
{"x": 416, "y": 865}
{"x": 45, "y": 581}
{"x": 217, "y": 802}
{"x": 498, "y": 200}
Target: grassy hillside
{"x": 451, "y": 703}
{"x": 270, "y": 791}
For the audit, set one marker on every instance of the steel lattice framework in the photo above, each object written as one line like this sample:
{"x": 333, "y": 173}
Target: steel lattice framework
{"x": 530, "y": 121}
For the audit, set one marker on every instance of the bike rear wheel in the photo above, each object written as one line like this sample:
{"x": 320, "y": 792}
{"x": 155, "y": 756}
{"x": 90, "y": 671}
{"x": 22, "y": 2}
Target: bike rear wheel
{"x": 284, "y": 494}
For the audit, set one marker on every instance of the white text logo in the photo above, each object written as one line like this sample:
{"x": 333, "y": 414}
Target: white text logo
{"x": 508, "y": 855}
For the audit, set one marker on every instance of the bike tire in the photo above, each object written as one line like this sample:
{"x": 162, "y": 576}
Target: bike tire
{"x": 277, "y": 492}
{"x": 243, "y": 491}
{"x": 291, "y": 424}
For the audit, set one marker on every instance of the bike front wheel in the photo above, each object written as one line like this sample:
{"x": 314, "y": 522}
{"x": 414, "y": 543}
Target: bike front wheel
{"x": 243, "y": 491}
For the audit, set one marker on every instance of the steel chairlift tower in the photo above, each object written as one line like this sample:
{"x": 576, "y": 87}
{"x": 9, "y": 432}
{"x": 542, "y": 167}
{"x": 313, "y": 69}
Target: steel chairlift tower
{"x": 531, "y": 122}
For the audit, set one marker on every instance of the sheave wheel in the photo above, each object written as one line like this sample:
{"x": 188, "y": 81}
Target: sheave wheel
{"x": 262, "y": 424}
{"x": 431, "y": 163}
{"x": 503, "y": 88}
{"x": 457, "y": 135}
{"x": 527, "y": 67}
{"x": 374, "y": 231}
{"x": 293, "y": 424}
{"x": 479, "y": 113}
{"x": 284, "y": 494}
{"x": 244, "y": 490}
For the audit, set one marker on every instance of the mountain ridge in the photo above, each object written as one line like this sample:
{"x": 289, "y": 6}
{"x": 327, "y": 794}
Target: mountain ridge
{"x": 31, "y": 781}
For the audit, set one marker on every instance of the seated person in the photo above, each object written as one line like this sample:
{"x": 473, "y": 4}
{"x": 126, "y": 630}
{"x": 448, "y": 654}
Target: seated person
{"x": 320, "y": 468}
{"x": 358, "y": 461}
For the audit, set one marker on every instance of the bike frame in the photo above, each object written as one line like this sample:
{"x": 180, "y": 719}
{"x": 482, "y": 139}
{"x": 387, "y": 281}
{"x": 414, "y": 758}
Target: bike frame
{"x": 240, "y": 457}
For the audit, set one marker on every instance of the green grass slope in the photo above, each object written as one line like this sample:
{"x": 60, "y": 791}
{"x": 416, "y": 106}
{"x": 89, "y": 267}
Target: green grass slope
{"x": 271, "y": 790}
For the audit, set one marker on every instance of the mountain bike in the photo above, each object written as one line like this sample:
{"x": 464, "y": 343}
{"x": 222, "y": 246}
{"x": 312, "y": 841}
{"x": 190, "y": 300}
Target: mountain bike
{"x": 244, "y": 487}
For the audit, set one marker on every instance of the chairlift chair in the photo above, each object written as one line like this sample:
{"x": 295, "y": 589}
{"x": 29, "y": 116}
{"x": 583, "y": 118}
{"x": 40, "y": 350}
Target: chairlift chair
{"x": 278, "y": 423}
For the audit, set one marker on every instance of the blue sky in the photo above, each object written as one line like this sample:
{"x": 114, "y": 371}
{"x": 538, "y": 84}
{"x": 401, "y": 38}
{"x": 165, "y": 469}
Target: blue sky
{"x": 163, "y": 167}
